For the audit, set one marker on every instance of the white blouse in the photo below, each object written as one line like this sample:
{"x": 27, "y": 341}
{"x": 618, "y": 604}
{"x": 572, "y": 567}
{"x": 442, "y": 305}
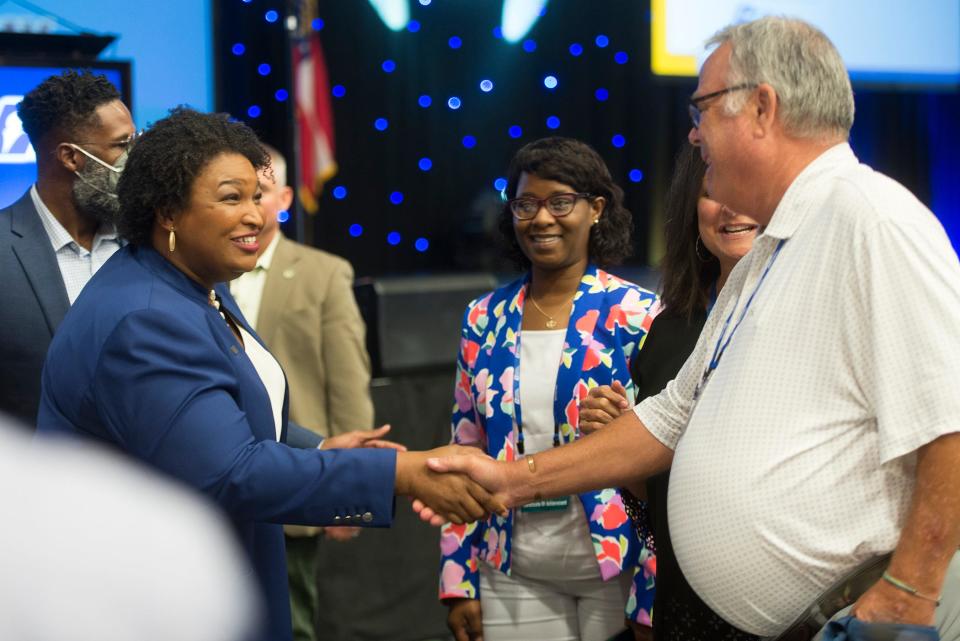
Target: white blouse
{"x": 271, "y": 374}
{"x": 553, "y": 544}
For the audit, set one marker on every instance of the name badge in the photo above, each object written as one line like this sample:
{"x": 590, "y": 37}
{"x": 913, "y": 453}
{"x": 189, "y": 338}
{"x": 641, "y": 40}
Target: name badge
{"x": 547, "y": 505}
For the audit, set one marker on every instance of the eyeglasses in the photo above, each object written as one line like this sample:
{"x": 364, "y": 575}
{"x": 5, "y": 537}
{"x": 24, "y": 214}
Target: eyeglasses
{"x": 558, "y": 205}
{"x": 696, "y": 111}
{"x": 122, "y": 145}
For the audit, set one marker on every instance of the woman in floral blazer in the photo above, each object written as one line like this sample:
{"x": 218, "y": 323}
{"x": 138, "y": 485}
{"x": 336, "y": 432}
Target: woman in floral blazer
{"x": 565, "y": 566}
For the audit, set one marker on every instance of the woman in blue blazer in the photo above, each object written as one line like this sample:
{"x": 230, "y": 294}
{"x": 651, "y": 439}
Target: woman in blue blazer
{"x": 156, "y": 360}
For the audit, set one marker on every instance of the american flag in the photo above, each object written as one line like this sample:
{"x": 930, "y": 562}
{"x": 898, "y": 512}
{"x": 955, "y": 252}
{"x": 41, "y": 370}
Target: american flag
{"x": 314, "y": 112}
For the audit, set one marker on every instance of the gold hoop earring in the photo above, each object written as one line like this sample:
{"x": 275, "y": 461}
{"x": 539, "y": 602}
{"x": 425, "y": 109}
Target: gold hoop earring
{"x": 172, "y": 241}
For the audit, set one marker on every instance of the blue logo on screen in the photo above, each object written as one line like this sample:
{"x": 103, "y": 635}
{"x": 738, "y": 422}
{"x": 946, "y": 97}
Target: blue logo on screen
{"x": 15, "y": 148}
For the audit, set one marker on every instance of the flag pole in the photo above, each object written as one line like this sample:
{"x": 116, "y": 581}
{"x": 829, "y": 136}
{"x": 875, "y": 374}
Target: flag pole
{"x": 293, "y": 30}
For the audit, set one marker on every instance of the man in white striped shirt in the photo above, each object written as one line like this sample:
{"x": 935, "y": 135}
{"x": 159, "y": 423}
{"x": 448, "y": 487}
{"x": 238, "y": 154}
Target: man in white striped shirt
{"x": 55, "y": 237}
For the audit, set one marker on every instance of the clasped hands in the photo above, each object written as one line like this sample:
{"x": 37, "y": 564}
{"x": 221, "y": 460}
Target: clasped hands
{"x": 460, "y": 484}
{"x": 440, "y": 495}
{"x": 489, "y": 481}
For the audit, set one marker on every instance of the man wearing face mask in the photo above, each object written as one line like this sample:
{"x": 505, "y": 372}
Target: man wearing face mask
{"x": 58, "y": 234}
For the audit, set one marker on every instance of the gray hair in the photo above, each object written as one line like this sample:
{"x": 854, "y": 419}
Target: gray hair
{"x": 802, "y": 66}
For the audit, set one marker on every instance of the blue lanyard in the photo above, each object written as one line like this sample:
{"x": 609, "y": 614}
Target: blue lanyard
{"x": 722, "y": 344}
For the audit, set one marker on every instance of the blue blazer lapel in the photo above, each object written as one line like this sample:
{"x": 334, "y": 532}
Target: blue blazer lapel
{"x": 31, "y": 246}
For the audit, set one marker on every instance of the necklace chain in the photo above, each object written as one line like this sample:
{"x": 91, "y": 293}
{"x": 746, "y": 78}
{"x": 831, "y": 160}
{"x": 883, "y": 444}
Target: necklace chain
{"x": 551, "y": 322}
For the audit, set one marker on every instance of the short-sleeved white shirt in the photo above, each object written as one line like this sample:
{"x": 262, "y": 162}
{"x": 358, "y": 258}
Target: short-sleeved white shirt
{"x": 797, "y": 462}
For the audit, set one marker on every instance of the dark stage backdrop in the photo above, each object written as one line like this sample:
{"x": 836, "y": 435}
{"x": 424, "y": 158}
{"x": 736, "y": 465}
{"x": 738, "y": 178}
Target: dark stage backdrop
{"x": 417, "y": 188}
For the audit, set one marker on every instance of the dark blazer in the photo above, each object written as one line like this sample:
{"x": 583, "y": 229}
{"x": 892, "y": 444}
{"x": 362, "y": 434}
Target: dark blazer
{"x": 34, "y": 303}
{"x": 144, "y": 364}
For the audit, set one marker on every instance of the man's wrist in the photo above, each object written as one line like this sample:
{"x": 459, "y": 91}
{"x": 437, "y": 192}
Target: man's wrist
{"x": 903, "y": 586}
{"x": 522, "y": 480}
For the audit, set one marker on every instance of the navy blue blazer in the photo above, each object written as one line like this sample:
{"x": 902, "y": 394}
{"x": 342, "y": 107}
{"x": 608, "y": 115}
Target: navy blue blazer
{"x": 143, "y": 363}
{"x": 34, "y": 303}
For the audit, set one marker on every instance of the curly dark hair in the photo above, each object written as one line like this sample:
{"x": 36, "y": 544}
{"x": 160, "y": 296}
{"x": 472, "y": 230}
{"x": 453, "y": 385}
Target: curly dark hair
{"x": 686, "y": 276}
{"x": 64, "y": 104}
{"x": 167, "y": 159}
{"x": 577, "y": 164}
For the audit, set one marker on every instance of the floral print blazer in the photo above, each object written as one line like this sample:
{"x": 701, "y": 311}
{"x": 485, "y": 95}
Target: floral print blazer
{"x": 608, "y": 324}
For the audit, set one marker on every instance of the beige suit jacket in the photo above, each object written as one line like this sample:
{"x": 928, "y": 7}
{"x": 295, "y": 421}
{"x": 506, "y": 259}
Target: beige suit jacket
{"x": 310, "y": 321}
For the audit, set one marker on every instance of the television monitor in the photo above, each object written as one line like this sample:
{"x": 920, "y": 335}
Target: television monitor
{"x": 18, "y": 161}
{"x": 892, "y": 43}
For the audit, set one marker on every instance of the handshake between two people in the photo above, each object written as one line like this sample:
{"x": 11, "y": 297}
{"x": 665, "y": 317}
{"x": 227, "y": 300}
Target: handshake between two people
{"x": 460, "y": 484}
{"x": 443, "y": 491}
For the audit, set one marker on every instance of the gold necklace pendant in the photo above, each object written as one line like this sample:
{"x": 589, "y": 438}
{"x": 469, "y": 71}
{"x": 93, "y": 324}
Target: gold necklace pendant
{"x": 551, "y": 324}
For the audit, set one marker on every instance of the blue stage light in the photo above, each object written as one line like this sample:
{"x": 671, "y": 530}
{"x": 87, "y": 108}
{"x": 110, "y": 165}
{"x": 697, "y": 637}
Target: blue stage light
{"x": 380, "y": 124}
{"x": 421, "y": 244}
{"x": 425, "y": 164}
{"x": 253, "y": 111}
{"x": 396, "y": 197}
{"x": 316, "y": 24}
{"x": 500, "y": 184}
{"x": 425, "y": 3}
{"x": 393, "y": 238}
{"x": 338, "y": 91}
{"x": 389, "y": 66}
{"x": 553, "y": 122}
{"x": 529, "y": 45}
{"x": 263, "y": 69}
{"x": 413, "y": 26}
{"x": 636, "y": 175}
{"x": 339, "y": 192}
{"x": 576, "y": 49}
{"x": 281, "y": 95}
{"x": 602, "y": 41}
{"x": 618, "y": 141}
{"x": 486, "y": 86}
{"x": 283, "y": 216}
{"x": 601, "y": 94}
{"x": 271, "y": 16}
{"x": 469, "y": 142}
{"x": 515, "y": 131}
{"x": 238, "y": 49}
{"x": 355, "y": 230}
{"x": 621, "y": 57}
{"x": 453, "y": 102}
{"x": 550, "y": 82}
{"x": 498, "y": 32}
{"x": 455, "y": 42}
{"x": 424, "y": 101}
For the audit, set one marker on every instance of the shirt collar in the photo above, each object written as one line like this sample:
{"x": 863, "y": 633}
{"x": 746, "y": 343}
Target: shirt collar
{"x": 798, "y": 200}
{"x": 59, "y": 236}
{"x": 266, "y": 258}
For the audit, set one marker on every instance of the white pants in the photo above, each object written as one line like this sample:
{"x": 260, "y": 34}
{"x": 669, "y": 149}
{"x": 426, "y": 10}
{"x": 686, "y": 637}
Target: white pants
{"x": 517, "y": 608}
{"x": 948, "y": 612}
